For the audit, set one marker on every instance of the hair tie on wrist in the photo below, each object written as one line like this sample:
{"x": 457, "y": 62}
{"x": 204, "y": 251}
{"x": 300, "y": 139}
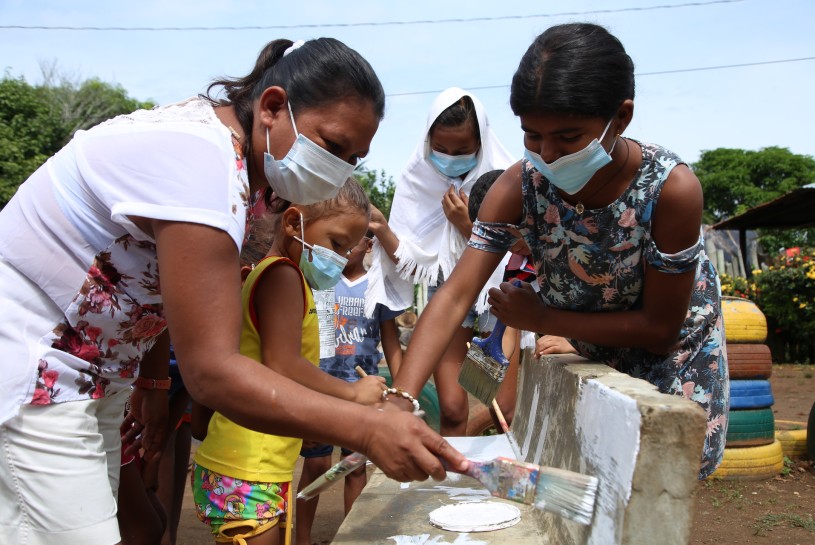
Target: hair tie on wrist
{"x": 296, "y": 45}
{"x": 153, "y": 383}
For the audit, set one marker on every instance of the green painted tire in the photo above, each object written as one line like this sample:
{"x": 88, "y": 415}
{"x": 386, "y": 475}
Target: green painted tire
{"x": 750, "y": 428}
{"x": 428, "y": 399}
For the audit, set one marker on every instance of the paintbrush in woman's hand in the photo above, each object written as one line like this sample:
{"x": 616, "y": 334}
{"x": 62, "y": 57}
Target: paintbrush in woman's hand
{"x": 559, "y": 491}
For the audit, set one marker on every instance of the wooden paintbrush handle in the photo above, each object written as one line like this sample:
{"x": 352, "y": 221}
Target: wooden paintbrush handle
{"x": 500, "y": 416}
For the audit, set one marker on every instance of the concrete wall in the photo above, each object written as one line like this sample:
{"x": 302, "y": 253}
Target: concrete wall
{"x": 644, "y": 447}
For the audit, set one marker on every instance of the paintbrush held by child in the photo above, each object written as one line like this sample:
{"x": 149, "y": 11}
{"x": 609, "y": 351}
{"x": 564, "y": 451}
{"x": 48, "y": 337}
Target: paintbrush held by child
{"x": 241, "y": 478}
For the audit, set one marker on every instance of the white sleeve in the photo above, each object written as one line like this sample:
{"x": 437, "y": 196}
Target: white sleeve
{"x": 185, "y": 172}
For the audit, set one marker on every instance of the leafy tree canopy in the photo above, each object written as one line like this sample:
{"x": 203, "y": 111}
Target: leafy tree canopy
{"x": 379, "y": 187}
{"x": 37, "y": 120}
{"x": 735, "y": 180}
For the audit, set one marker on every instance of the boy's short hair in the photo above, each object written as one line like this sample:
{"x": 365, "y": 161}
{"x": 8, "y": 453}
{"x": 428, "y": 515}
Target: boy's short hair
{"x": 479, "y": 191}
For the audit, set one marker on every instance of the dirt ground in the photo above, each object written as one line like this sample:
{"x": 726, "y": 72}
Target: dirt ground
{"x": 776, "y": 511}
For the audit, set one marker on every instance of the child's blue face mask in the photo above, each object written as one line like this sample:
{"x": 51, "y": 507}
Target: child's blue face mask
{"x": 325, "y": 267}
{"x": 453, "y": 165}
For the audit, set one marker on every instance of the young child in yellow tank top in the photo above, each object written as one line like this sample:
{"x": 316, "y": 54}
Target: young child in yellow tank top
{"x": 241, "y": 478}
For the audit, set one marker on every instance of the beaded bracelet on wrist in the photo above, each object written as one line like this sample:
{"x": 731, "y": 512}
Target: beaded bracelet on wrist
{"x": 417, "y": 409}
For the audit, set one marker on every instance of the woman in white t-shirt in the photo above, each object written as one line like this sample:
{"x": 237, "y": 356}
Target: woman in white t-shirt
{"x": 169, "y": 190}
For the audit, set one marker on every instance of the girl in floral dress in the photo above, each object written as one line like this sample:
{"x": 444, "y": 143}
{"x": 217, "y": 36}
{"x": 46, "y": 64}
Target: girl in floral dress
{"x": 614, "y": 227}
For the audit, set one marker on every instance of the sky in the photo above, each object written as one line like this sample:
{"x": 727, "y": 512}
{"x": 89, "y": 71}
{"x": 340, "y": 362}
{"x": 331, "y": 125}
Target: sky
{"x": 710, "y": 73}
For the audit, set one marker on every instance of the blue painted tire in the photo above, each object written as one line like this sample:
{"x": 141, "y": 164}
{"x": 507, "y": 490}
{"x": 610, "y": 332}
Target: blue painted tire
{"x": 750, "y": 394}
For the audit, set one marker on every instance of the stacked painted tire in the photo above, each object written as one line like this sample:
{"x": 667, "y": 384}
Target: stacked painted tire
{"x": 752, "y": 451}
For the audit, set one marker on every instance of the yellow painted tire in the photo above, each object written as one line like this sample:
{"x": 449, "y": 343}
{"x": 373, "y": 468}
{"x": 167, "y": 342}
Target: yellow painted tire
{"x": 751, "y": 463}
{"x": 743, "y": 321}
{"x": 792, "y": 436}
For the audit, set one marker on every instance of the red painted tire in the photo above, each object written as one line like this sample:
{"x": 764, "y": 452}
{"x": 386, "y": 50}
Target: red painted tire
{"x": 749, "y": 361}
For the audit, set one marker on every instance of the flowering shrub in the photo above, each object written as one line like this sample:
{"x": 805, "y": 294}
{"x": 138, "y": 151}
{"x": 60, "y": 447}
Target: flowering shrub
{"x": 786, "y": 294}
{"x": 736, "y": 286}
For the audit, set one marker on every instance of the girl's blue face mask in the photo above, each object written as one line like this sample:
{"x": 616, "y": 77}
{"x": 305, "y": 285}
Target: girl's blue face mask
{"x": 572, "y": 172}
{"x": 453, "y": 166}
{"x": 325, "y": 267}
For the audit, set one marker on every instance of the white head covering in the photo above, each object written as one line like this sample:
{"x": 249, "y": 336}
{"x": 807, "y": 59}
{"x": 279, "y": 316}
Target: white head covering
{"x": 428, "y": 243}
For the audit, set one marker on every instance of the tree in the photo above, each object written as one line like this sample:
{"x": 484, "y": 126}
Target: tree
{"x": 37, "y": 121}
{"x": 379, "y": 187}
{"x": 29, "y": 134}
{"x": 735, "y": 180}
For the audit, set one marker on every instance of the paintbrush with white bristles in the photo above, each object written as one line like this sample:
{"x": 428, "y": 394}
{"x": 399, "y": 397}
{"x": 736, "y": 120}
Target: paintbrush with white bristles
{"x": 562, "y": 492}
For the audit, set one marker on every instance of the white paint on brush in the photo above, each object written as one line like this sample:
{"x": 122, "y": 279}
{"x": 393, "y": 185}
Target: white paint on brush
{"x": 425, "y": 539}
{"x": 530, "y": 427}
{"x": 609, "y": 446}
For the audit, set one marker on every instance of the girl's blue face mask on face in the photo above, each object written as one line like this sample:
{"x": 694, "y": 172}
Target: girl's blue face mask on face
{"x": 572, "y": 172}
{"x": 453, "y": 166}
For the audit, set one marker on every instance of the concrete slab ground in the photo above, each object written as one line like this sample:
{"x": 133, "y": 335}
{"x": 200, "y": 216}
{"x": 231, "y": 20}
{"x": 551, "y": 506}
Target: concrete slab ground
{"x": 573, "y": 414}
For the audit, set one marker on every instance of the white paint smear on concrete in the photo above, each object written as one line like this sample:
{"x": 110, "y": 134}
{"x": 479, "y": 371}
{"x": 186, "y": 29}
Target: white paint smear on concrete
{"x": 482, "y": 448}
{"x": 541, "y": 440}
{"x": 425, "y": 539}
{"x": 460, "y": 494}
{"x": 467, "y": 517}
{"x": 530, "y": 427}
{"x": 608, "y": 431}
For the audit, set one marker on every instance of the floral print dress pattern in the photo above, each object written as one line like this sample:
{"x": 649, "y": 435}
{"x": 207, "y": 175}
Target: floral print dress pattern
{"x": 114, "y": 318}
{"x": 595, "y": 262}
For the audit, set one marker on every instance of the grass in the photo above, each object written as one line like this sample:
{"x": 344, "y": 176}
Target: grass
{"x": 787, "y": 469}
{"x": 730, "y": 492}
{"x": 770, "y": 521}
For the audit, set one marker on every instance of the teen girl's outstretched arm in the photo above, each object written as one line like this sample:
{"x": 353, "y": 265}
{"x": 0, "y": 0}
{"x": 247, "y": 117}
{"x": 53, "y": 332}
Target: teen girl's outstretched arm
{"x": 200, "y": 280}
{"x": 446, "y": 311}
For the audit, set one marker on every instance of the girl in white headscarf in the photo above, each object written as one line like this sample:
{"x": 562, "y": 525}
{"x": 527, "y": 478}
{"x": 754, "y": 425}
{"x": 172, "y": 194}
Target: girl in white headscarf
{"x": 429, "y": 227}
